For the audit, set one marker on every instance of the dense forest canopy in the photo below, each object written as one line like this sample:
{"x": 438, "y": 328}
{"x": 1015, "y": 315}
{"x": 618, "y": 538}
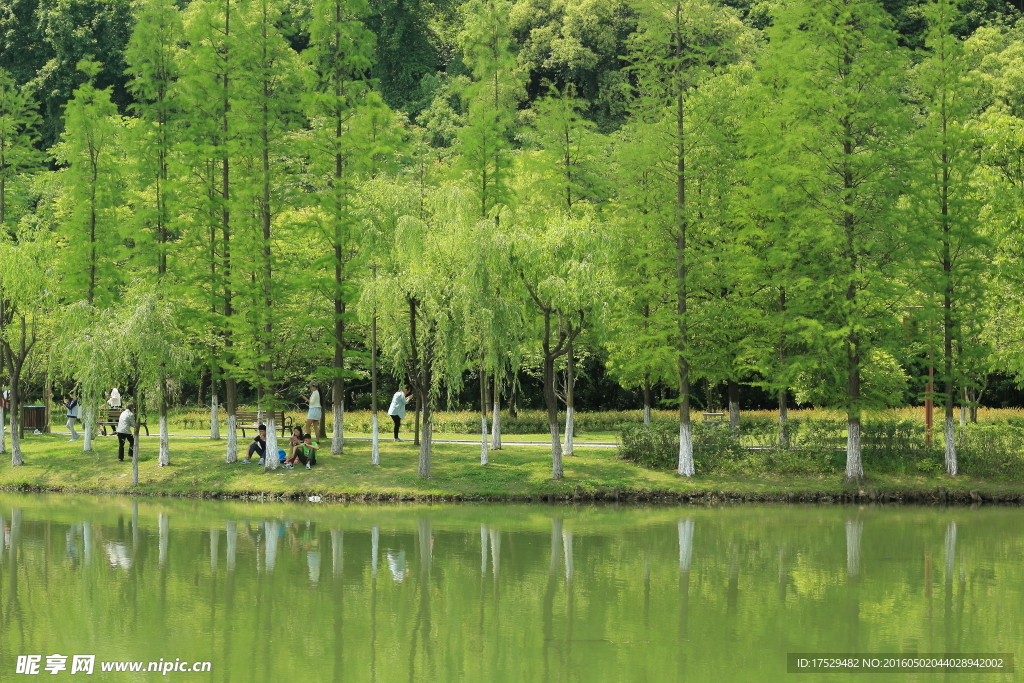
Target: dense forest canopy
{"x": 810, "y": 202}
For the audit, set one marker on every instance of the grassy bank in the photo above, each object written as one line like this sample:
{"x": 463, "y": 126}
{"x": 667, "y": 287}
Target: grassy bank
{"x": 516, "y": 473}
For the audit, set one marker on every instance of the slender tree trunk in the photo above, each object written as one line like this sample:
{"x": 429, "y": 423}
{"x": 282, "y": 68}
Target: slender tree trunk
{"x": 947, "y": 322}
{"x": 483, "y": 415}
{"x": 3, "y": 435}
{"x": 570, "y": 401}
{"x": 16, "y": 458}
{"x": 140, "y": 408}
{"x": 164, "y": 457}
{"x": 270, "y": 463}
{"x": 513, "y": 402}
{"x": 686, "y": 464}
{"x": 47, "y": 401}
{"x": 783, "y": 411}
{"x": 647, "y": 399}
{"x": 496, "y": 417}
{"x": 428, "y": 428}
{"x": 375, "y": 446}
{"x": 854, "y": 467}
{"x": 963, "y": 407}
{"x": 214, "y": 409}
{"x": 551, "y": 401}
{"x": 90, "y": 420}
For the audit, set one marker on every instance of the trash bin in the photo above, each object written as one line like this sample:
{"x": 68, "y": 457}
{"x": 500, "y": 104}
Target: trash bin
{"x": 33, "y": 417}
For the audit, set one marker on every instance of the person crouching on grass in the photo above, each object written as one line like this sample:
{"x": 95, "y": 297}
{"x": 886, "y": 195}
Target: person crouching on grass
{"x": 306, "y": 453}
{"x": 258, "y": 446}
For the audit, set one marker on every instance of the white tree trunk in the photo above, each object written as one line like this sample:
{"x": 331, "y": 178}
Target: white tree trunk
{"x": 16, "y": 458}
{"x": 483, "y": 549}
{"x": 214, "y": 548}
{"x": 556, "y": 453}
{"x": 734, "y": 415}
{"x": 496, "y": 422}
{"x": 164, "y": 525}
{"x": 963, "y": 415}
{"x": 483, "y": 439}
{"x": 570, "y": 428}
{"x": 164, "y": 458}
{"x": 853, "y": 532}
{"x": 647, "y": 414}
{"x": 425, "y": 445}
{"x": 685, "y": 544}
{"x": 375, "y": 443}
{"x": 337, "y": 552}
{"x": 270, "y": 461}
{"x": 374, "y": 548}
{"x": 495, "y": 537}
{"x": 950, "y": 448}
{"x": 270, "y": 538}
{"x": 89, "y": 422}
{"x": 3, "y": 436}
{"x": 686, "y": 467}
{"x": 854, "y": 467}
{"x": 338, "y": 429}
{"x": 232, "y": 452}
{"x": 232, "y": 536}
{"x": 214, "y": 414}
{"x": 135, "y": 457}
{"x": 567, "y": 549}
{"x": 950, "y": 551}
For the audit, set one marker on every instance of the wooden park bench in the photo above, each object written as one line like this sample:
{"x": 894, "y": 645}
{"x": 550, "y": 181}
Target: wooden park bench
{"x": 109, "y": 417}
{"x": 252, "y": 419}
{"x": 713, "y": 418}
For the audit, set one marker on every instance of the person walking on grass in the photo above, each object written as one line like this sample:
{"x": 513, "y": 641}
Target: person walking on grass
{"x": 397, "y": 410}
{"x": 315, "y": 412}
{"x": 71, "y": 403}
{"x": 258, "y": 446}
{"x": 125, "y": 423}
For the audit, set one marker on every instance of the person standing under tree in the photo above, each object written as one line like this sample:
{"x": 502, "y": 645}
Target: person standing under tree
{"x": 397, "y": 410}
{"x": 73, "y": 407}
{"x": 125, "y": 423}
{"x": 315, "y": 412}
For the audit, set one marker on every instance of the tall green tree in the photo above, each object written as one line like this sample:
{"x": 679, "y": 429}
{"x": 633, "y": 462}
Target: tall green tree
{"x": 91, "y": 150}
{"x": 18, "y": 124}
{"x": 341, "y": 51}
{"x": 676, "y": 49}
{"x": 841, "y": 151}
{"x": 152, "y": 56}
{"x": 946, "y": 200}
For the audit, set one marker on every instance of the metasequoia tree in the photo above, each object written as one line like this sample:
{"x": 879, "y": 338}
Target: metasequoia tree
{"x": 486, "y": 160}
{"x": 341, "y": 50}
{"x": 91, "y": 152}
{"x": 841, "y": 152}
{"x": 18, "y": 122}
{"x": 946, "y": 201}
{"x": 152, "y": 55}
{"x": 676, "y": 49}
{"x": 211, "y": 68}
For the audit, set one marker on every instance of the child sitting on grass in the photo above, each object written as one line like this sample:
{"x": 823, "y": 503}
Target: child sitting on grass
{"x": 306, "y": 453}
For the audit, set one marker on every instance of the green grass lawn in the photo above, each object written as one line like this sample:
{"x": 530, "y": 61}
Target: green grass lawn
{"x": 198, "y": 468}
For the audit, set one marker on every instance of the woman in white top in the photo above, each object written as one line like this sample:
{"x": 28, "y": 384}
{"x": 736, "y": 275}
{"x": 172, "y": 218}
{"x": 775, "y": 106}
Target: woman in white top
{"x": 115, "y": 398}
{"x": 315, "y": 412}
{"x": 397, "y": 409}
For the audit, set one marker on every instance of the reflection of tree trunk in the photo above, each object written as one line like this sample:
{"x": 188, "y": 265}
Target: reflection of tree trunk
{"x": 495, "y": 537}
{"x": 270, "y": 551}
{"x": 549, "y": 593}
{"x": 783, "y": 579}
{"x": 229, "y": 591}
{"x": 483, "y": 549}
{"x": 374, "y": 546}
{"x": 13, "y": 610}
{"x": 567, "y": 664}
{"x": 164, "y": 531}
{"x": 853, "y": 533}
{"x": 232, "y": 536}
{"x": 338, "y": 598}
{"x": 214, "y": 549}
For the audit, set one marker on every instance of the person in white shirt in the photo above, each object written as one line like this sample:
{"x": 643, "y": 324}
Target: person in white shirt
{"x": 315, "y": 412}
{"x": 124, "y": 431}
{"x": 72, "y": 405}
{"x": 397, "y": 410}
{"x": 115, "y": 398}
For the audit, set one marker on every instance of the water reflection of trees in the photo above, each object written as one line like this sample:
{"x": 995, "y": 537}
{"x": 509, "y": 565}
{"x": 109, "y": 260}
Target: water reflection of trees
{"x": 579, "y": 591}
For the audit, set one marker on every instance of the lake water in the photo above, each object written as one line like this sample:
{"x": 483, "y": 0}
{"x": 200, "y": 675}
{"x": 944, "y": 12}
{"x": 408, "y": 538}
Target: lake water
{"x": 500, "y": 592}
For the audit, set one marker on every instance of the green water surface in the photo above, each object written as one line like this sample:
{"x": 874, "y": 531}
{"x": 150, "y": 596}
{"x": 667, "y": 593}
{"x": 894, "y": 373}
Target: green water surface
{"x": 312, "y": 592}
